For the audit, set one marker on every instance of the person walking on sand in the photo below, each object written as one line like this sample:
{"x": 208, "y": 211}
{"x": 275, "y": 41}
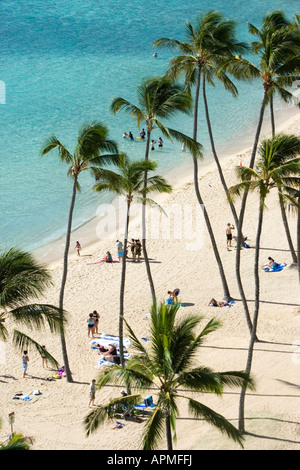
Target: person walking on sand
{"x": 78, "y": 248}
{"x": 44, "y": 361}
{"x": 25, "y": 360}
{"x": 119, "y": 249}
{"x": 138, "y": 249}
{"x": 229, "y": 234}
{"x": 91, "y": 325}
{"x": 132, "y": 248}
{"x": 92, "y": 392}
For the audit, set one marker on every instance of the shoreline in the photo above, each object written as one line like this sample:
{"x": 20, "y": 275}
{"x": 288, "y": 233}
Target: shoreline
{"x": 56, "y": 423}
{"x": 52, "y": 252}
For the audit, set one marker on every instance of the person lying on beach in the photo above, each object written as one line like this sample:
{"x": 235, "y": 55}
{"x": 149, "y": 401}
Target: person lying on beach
{"x": 173, "y": 294}
{"x": 242, "y": 241}
{"x": 270, "y": 264}
{"x": 214, "y": 303}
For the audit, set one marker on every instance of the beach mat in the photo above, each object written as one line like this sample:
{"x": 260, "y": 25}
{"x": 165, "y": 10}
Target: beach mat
{"x": 106, "y": 340}
{"x": 29, "y": 397}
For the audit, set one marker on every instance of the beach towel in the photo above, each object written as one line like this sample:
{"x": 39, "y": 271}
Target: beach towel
{"x": 106, "y": 340}
{"x": 104, "y": 261}
{"x": 278, "y": 267}
{"x": 102, "y": 362}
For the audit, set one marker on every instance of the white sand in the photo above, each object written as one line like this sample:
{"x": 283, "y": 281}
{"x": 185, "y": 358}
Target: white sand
{"x": 272, "y": 411}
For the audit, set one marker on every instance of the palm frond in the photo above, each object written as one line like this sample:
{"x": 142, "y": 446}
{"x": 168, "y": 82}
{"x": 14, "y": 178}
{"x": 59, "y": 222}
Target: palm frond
{"x": 53, "y": 143}
{"x": 201, "y": 411}
{"x": 24, "y": 342}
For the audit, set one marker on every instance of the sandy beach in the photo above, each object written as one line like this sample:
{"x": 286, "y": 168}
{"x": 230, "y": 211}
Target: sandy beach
{"x": 55, "y": 419}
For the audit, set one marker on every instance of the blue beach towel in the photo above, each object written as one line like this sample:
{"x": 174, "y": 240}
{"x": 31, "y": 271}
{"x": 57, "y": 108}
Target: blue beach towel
{"x": 278, "y": 267}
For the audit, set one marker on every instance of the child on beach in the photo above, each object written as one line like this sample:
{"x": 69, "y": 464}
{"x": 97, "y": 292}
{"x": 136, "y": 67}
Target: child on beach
{"x": 78, "y": 248}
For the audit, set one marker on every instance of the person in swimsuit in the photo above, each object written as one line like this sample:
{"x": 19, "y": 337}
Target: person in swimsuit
{"x": 108, "y": 257}
{"x": 160, "y": 142}
{"x": 132, "y": 248}
{"x": 96, "y": 317}
{"x": 92, "y": 391}
{"x": 78, "y": 248}
{"x": 44, "y": 361}
{"x": 25, "y": 360}
{"x": 229, "y": 234}
{"x": 214, "y": 303}
{"x": 173, "y": 294}
{"x": 138, "y": 249}
{"x": 111, "y": 354}
{"x": 91, "y": 325}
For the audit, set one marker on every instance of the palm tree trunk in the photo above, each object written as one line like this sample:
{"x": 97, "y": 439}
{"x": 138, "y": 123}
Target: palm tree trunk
{"x": 286, "y": 228}
{"x": 255, "y": 319}
{"x": 212, "y": 143}
{"x": 122, "y": 290}
{"x": 283, "y": 212}
{"x": 243, "y": 207}
{"x": 272, "y": 116}
{"x": 64, "y": 280}
{"x": 226, "y": 292}
{"x": 168, "y": 431}
{"x": 147, "y": 264}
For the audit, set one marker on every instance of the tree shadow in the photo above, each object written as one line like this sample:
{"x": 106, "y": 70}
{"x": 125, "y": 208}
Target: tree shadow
{"x": 274, "y": 249}
{"x": 256, "y": 348}
{"x": 271, "y": 302}
{"x": 6, "y": 377}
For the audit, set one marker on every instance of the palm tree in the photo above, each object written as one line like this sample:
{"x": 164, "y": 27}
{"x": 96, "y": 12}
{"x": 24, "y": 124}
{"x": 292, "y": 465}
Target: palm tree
{"x": 88, "y": 154}
{"x": 169, "y": 365}
{"x": 278, "y": 166}
{"x": 278, "y": 49}
{"x": 272, "y": 22}
{"x": 22, "y": 280}
{"x": 158, "y": 99}
{"x": 129, "y": 182}
{"x": 210, "y": 43}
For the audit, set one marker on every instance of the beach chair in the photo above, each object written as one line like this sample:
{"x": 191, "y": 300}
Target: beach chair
{"x": 147, "y": 403}
{"x": 127, "y": 411}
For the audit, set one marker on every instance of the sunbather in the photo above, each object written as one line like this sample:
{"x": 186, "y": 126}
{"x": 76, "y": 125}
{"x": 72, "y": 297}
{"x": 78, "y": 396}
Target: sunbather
{"x": 271, "y": 264}
{"x": 214, "y": 303}
{"x": 173, "y": 294}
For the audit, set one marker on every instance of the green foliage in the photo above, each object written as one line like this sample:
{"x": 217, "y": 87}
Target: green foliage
{"x": 169, "y": 363}
{"x": 22, "y": 280}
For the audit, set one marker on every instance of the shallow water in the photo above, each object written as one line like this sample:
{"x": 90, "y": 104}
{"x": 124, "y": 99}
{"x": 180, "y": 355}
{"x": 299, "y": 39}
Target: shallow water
{"x": 62, "y": 62}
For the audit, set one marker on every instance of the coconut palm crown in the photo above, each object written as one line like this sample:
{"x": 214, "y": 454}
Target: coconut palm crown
{"x": 23, "y": 282}
{"x": 168, "y": 365}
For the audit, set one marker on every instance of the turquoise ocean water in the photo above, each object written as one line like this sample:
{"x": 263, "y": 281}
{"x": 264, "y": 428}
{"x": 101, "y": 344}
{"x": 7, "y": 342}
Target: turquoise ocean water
{"x": 62, "y": 62}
